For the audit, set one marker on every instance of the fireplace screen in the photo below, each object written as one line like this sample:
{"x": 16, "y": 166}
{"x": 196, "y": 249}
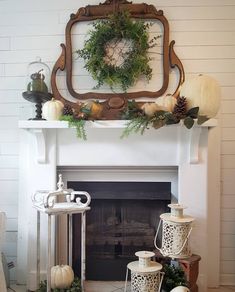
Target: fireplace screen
{"x": 122, "y": 220}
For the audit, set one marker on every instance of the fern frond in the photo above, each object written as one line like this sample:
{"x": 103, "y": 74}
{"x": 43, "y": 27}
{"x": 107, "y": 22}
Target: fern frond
{"x": 136, "y": 125}
{"x": 79, "y": 124}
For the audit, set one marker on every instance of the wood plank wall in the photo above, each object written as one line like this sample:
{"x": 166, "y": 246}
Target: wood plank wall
{"x": 204, "y": 31}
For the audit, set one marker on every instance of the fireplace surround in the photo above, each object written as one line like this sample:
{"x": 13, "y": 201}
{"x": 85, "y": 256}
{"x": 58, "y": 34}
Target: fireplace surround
{"x": 48, "y": 146}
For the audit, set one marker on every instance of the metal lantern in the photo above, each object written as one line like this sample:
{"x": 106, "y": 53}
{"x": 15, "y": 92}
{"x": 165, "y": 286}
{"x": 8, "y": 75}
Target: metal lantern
{"x": 146, "y": 275}
{"x": 176, "y": 229}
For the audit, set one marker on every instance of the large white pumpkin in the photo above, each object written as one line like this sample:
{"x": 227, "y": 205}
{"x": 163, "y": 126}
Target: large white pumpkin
{"x": 61, "y": 277}
{"x": 180, "y": 289}
{"x": 202, "y": 91}
{"x": 52, "y": 110}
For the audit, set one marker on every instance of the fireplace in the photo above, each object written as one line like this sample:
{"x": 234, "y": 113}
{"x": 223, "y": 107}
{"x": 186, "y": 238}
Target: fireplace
{"x": 48, "y": 146}
{"x": 122, "y": 221}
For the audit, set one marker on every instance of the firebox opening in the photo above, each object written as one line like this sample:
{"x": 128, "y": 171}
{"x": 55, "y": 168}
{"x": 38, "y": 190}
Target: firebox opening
{"x": 122, "y": 220}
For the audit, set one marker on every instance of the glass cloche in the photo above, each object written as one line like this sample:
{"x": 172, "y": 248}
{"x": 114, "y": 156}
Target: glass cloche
{"x": 38, "y": 76}
{"x": 38, "y": 85}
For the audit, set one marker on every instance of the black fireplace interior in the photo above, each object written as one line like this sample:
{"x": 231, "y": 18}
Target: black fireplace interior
{"x": 122, "y": 220}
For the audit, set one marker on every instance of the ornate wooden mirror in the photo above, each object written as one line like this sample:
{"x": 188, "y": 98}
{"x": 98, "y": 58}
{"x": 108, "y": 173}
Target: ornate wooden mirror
{"x": 115, "y": 100}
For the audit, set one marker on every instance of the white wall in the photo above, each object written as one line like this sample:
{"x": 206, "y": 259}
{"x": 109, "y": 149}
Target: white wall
{"x": 204, "y": 31}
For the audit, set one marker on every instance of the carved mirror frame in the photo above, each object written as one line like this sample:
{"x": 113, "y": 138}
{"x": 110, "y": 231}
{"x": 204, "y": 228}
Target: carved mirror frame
{"x": 116, "y": 101}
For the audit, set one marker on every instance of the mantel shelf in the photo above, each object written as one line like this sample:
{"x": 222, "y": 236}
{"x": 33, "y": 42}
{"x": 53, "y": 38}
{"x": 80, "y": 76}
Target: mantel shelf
{"x": 39, "y": 129}
{"x": 115, "y": 124}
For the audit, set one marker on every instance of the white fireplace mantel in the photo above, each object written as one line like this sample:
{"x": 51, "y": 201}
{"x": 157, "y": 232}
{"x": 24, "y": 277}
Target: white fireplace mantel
{"x": 46, "y": 146}
{"x": 39, "y": 129}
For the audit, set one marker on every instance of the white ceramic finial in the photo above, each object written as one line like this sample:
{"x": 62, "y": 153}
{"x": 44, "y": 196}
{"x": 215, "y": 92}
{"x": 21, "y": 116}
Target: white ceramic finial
{"x": 144, "y": 258}
{"x": 60, "y": 183}
{"x": 177, "y": 210}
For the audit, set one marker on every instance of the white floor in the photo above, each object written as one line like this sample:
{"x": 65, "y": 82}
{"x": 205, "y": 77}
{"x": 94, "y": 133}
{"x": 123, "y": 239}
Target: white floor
{"x": 96, "y": 286}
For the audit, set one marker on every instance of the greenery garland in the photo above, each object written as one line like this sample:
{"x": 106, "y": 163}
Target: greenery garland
{"x": 139, "y": 121}
{"x": 75, "y": 287}
{"x": 117, "y": 28}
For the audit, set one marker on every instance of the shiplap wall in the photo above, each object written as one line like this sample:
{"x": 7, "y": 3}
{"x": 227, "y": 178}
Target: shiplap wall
{"x": 204, "y": 31}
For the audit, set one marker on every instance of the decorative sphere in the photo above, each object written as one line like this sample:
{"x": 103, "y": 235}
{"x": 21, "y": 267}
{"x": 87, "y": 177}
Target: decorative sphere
{"x": 180, "y": 289}
{"x": 204, "y": 92}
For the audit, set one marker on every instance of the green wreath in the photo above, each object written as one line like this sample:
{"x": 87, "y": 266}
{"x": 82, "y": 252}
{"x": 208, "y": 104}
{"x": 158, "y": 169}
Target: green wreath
{"x": 118, "y": 28}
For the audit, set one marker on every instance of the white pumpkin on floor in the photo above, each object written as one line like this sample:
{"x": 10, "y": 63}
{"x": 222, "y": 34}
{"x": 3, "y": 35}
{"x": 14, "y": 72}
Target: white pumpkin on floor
{"x": 52, "y": 110}
{"x": 61, "y": 277}
{"x": 180, "y": 289}
{"x": 202, "y": 91}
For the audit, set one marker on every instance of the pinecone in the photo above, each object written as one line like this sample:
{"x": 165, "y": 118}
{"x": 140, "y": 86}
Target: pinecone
{"x": 180, "y": 108}
{"x": 67, "y": 111}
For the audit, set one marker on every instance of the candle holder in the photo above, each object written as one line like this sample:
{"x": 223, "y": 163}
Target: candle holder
{"x": 38, "y": 98}
{"x": 176, "y": 229}
{"x": 146, "y": 275}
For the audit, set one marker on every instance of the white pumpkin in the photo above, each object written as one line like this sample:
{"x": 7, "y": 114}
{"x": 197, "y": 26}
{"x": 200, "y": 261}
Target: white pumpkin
{"x": 61, "y": 277}
{"x": 202, "y": 91}
{"x": 52, "y": 110}
{"x": 150, "y": 108}
{"x": 167, "y": 102}
{"x": 180, "y": 289}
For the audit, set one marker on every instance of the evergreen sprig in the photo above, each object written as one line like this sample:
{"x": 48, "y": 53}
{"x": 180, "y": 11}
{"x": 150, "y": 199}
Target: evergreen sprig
{"x": 139, "y": 121}
{"x": 174, "y": 276}
{"x": 75, "y": 287}
{"x": 79, "y": 124}
{"x": 118, "y": 27}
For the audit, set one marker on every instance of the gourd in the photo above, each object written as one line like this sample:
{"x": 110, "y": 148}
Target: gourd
{"x": 52, "y": 109}
{"x": 202, "y": 91}
{"x": 167, "y": 102}
{"x": 61, "y": 277}
{"x": 180, "y": 289}
{"x": 37, "y": 83}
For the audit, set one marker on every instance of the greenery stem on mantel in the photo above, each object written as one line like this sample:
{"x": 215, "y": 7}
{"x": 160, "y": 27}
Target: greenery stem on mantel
{"x": 139, "y": 118}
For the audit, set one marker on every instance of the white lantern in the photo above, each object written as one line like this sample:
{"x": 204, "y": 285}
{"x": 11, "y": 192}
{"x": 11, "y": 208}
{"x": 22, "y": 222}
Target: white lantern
{"x": 176, "y": 229}
{"x": 202, "y": 91}
{"x": 146, "y": 275}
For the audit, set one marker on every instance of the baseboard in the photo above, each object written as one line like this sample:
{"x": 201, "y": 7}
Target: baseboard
{"x": 227, "y": 279}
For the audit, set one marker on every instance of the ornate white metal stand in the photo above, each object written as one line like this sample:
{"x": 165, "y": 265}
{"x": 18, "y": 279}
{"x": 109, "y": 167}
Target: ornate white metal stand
{"x": 176, "y": 230}
{"x": 45, "y": 202}
{"x": 146, "y": 275}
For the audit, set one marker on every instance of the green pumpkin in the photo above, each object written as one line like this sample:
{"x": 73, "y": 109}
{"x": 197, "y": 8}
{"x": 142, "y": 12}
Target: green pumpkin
{"x": 37, "y": 83}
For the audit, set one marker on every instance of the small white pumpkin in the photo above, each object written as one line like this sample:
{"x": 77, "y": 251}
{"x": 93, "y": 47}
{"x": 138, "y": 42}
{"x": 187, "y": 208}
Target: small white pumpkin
{"x": 180, "y": 289}
{"x": 61, "y": 277}
{"x": 166, "y": 102}
{"x": 202, "y": 91}
{"x": 150, "y": 108}
{"x": 52, "y": 110}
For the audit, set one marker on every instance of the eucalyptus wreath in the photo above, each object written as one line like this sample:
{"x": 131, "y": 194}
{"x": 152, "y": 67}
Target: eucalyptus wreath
{"x": 107, "y": 34}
